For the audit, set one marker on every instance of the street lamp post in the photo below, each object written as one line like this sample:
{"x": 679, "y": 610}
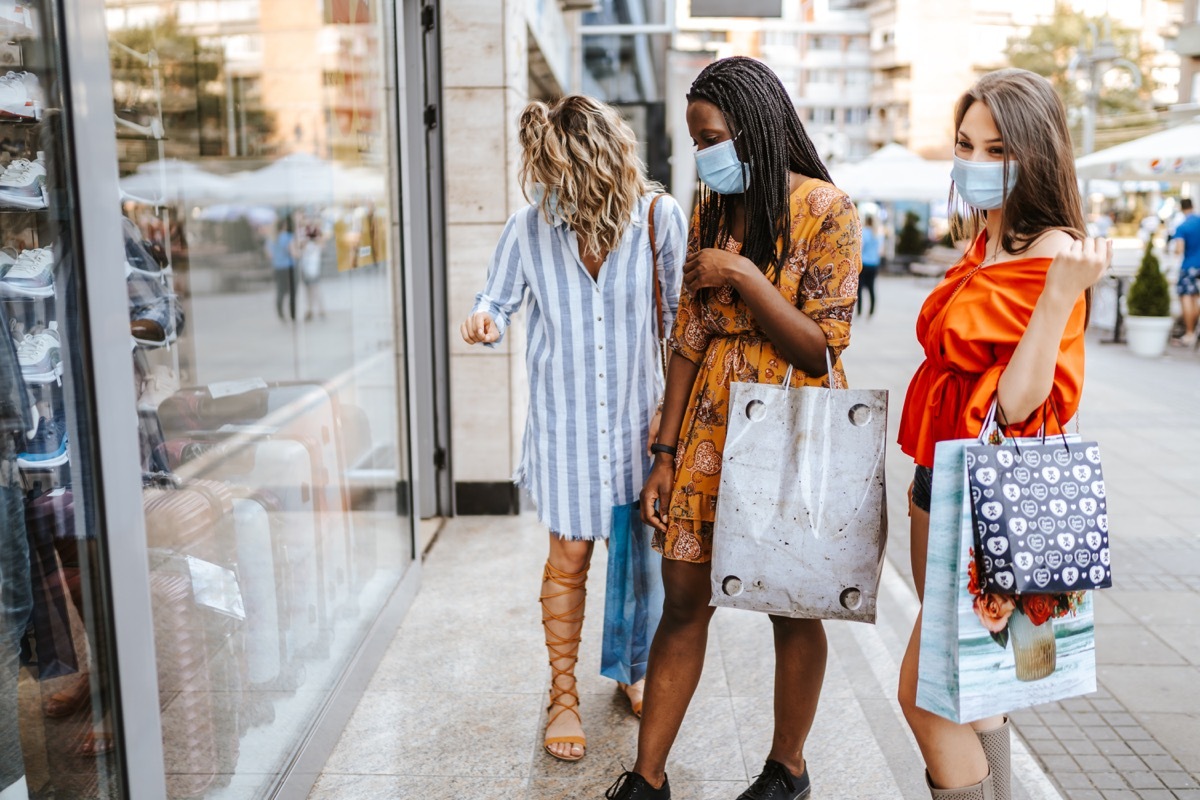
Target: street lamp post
{"x": 1100, "y": 57}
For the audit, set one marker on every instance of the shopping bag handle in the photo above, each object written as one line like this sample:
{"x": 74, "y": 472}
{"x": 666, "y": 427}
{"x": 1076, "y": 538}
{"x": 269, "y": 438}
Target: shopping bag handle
{"x": 991, "y": 418}
{"x": 787, "y": 378}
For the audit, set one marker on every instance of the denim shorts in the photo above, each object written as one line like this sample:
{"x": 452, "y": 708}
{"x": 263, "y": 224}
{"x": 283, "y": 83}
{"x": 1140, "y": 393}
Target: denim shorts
{"x": 922, "y": 488}
{"x": 1189, "y": 281}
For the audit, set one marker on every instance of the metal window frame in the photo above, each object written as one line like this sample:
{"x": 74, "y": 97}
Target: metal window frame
{"x": 422, "y": 110}
{"x": 116, "y": 475}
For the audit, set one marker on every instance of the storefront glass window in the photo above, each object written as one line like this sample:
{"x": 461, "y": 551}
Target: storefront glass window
{"x": 257, "y": 152}
{"x": 58, "y": 717}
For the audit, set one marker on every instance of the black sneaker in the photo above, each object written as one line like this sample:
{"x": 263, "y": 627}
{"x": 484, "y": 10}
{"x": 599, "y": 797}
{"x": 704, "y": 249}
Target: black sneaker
{"x": 776, "y": 782}
{"x": 631, "y": 786}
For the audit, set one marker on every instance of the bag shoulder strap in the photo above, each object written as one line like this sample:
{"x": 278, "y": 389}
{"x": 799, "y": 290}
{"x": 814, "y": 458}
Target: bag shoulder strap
{"x": 658, "y": 307}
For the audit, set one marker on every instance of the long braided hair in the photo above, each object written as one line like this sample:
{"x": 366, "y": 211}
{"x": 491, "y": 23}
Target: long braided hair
{"x": 771, "y": 139}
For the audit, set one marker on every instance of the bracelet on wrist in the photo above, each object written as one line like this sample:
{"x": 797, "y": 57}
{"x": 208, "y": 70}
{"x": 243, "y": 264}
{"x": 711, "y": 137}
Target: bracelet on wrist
{"x": 665, "y": 449}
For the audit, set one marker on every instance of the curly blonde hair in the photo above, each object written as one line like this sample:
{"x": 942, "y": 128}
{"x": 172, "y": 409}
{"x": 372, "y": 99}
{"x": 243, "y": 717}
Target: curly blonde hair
{"x": 581, "y": 150}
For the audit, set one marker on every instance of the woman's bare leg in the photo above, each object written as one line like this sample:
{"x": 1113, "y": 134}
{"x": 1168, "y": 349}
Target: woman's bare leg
{"x": 563, "y": 615}
{"x": 800, "y": 652}
{"x": 953, "y": 755}
{"x": 676, "y": 661}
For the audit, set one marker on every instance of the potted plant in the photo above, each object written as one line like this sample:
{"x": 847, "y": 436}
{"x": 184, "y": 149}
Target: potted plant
{"x": 1148, "y": 324}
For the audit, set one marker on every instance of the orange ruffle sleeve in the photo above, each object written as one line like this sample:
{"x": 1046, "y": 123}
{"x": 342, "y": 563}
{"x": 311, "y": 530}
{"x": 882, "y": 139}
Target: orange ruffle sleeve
{"x": 969, "y": 339}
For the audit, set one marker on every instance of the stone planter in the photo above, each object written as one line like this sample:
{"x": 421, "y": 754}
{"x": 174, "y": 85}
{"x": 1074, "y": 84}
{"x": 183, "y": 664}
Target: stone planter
{"x": 1147, "y": 336}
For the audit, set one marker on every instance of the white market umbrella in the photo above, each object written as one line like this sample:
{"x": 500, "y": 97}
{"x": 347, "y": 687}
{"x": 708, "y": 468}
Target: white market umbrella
{"x": 1170, "y": 155}
{"x": 228, "y": 212}
{"x": 360, "y": 183}
{"x": 293, "y": 181}
{"x": 173, "y": 181}
{"x": 894, "y": 173}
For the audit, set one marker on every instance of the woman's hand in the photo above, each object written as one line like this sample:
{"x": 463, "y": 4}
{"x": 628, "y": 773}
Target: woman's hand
{"x": 479, "y": 328}
{"x": 657, "y": 491}
{"x": 712, "y": 268}
{"x": 1077, "y": 268}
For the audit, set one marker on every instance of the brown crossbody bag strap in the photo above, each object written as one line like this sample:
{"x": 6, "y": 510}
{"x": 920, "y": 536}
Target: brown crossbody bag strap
{"x": 658, "y": 300}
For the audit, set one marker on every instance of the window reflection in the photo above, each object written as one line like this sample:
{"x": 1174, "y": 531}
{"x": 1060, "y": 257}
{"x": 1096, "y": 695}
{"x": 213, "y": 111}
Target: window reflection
{"x": 254, "y": 148}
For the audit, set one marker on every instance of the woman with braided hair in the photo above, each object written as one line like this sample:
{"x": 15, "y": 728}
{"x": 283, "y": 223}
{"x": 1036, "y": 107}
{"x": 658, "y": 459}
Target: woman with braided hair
{"x": 769, "y": 283}
{"x": 583, "y": 255}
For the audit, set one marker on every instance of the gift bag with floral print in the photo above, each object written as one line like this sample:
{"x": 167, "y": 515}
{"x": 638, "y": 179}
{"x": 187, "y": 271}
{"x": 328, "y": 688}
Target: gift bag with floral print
{"x": 984, "y": 653}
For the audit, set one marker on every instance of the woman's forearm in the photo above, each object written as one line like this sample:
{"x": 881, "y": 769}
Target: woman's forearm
{"x": 681, "y": 377}
{"x": 796, "y": 336}
{"x": 1029, "y": 376}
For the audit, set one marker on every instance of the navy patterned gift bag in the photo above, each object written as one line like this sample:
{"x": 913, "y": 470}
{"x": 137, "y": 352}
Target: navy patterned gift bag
{"x": 1041, "y": 516}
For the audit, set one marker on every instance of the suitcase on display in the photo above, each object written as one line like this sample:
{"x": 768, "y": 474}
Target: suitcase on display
{"x": 283, "y": 470}
{"x": 309, "y": 414}
{"x": 256, "y": 569}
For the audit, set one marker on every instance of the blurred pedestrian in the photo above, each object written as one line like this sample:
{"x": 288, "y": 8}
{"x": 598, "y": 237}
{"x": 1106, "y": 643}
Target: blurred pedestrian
{"x": 1187, "y": 236}
{"x": 770, "y": 282}
{"x": 580, "y": 253}
{"x": 281, "y": 249}
{"x": 1005, "y": 326}
{"x": 870, "y": 263}
{"x": 312, "y": 241}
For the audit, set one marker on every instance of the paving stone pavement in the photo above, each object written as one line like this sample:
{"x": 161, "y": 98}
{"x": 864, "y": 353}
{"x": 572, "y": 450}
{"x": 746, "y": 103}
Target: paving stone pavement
{"x": 1139, "y": 735}
{"x": 457, "y": 707}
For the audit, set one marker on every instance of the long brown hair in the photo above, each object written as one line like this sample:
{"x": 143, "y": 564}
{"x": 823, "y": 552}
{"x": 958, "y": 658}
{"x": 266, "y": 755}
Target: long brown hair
{"x": 583, "y": 151}
{"x": 1033, "y": 123}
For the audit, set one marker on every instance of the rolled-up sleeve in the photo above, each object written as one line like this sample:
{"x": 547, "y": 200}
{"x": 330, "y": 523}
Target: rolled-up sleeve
{"x": 830, "y": 250}
{"x": 505, "y": 289}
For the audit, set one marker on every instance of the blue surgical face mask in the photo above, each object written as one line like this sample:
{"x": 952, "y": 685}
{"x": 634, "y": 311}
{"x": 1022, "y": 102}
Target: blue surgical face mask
{"x": 981, "y": 183}
{"x": 721, "y": 169}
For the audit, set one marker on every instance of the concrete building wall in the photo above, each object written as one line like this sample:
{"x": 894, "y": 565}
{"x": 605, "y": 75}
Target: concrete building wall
{"x": 492, "y": 63}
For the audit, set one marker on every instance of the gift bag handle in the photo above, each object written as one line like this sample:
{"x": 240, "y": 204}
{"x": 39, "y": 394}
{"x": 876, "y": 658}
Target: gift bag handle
{"x": 991, "y": 418}
{"x": 787, "y": 378}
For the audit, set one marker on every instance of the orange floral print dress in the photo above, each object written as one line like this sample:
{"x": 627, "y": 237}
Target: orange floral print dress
{"x": 717, "y": 332}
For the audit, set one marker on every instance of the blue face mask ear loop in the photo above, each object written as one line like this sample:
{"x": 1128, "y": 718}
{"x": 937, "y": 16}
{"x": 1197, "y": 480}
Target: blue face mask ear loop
{"x": 745, "y": 167}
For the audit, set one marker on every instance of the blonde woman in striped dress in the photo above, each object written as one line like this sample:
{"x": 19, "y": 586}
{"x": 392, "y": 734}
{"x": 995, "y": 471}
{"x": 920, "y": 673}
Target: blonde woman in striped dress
{"x": 580, "y": 256}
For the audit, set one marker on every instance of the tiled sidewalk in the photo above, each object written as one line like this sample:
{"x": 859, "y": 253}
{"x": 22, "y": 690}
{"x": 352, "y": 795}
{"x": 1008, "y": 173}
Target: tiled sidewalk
{"x": 456, "y": 709}
{"x": 1138, "y": 737}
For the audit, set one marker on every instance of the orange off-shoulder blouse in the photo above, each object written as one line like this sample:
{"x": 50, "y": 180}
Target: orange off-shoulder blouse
{"x": 969, "y": 336}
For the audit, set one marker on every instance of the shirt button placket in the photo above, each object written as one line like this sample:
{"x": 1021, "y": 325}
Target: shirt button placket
{"x": 602, "y": 411}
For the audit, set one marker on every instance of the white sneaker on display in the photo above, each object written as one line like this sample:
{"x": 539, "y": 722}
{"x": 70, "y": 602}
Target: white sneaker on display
{"x": 31, "y": 275}
{"x": 158, "y": 385}
{"x": 22, "y": 184}
{"x": 39, "y": 357}
{"x": 20, "y": 94}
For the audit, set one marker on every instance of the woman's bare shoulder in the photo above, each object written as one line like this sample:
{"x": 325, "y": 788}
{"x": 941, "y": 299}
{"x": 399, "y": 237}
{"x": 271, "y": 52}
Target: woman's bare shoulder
{"x": 1050, "y": 244}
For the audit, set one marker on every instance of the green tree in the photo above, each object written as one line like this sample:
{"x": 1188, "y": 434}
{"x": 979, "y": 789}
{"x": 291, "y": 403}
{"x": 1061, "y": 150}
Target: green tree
{"x": 1047, "y": 49}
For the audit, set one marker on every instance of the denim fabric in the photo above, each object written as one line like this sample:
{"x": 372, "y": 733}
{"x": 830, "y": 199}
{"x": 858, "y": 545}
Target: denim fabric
{"x": 16, "y": 604}
{"x": 633, "y": 599}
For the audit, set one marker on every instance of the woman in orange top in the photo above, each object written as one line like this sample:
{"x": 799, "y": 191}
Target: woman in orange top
{"x": 770, "y": 281}
{"x": 1006, "y": 324}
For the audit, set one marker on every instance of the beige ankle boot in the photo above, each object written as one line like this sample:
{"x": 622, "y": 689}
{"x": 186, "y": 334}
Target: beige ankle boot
{"x": 980, "y": 791}
{"x": 997, "y": 747}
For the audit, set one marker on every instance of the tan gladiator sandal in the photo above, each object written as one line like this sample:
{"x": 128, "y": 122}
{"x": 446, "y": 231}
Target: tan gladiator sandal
{"x": 563, "y": 648}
